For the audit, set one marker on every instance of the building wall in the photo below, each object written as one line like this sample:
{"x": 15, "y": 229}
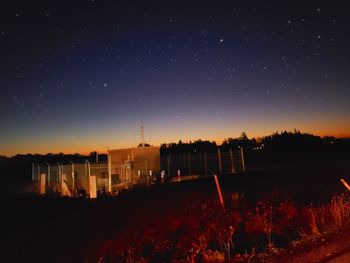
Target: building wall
{"x": 134, "y": 163}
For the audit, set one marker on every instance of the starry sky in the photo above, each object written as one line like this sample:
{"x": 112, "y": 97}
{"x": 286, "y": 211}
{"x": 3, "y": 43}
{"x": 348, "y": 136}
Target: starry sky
{"x": 78, "y": 76}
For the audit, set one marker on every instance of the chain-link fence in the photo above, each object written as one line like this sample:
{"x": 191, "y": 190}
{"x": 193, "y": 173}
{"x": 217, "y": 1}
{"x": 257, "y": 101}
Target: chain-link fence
{"x": 203, "y": 163}
{"x": 74, "y": 179}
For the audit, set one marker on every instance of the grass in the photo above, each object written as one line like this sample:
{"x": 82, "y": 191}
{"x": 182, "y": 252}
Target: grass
{"x": 182, "y": 222}
{"x": 206, "y": 233}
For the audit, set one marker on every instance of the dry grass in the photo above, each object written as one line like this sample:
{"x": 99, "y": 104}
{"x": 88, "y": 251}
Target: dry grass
{"x": 329, "y": 216}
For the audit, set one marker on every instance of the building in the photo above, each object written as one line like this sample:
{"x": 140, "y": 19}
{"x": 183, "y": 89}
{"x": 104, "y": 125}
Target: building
{"x": 132, "y": 164}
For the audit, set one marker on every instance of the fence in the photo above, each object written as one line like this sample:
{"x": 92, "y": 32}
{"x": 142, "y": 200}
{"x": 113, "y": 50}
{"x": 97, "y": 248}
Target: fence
{"x": 89, "y": 178}
{"x": 203, "y": 163}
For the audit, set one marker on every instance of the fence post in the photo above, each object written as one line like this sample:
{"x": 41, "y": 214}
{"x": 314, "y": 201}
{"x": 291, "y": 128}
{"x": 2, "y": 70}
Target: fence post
{"x": 87, "y": 173}
{"x": 219, "y": 158}
{"x": 242, "y": 157}
{"x": 205, "y": 163}
{"x": 109, "y": 172}
{"x": 232, "y": 163}
{"x": 168, "y": 164}
{"x": 189, "y": 163}
{"x": 33, "y": 171}
{"x": 42, "y": 184}
{"x": 59, "y": 172}
{"x": 48, "y": 174}
{"x": 184, "y": 158}
{"x": 73, "y": 178}
{"x": 219, "y": 192}
{"x": 39, "y": 171}
{"x": 92, "y": 186}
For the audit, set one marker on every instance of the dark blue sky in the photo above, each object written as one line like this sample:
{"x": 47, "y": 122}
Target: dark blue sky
{"x": 81, "y": 75}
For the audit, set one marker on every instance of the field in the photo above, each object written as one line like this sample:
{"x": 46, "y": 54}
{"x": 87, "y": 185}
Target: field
{"x": 264, "y": 211}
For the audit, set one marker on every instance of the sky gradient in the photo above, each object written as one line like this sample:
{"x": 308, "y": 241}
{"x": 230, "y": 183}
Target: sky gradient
{"x": 79, "y": 77}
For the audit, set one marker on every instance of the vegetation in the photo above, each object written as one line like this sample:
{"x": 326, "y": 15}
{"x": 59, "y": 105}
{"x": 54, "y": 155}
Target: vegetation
{"x": 205, "y": 233}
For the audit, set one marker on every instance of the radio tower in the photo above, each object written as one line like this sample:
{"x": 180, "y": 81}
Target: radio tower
{"x": 142, "y": 135}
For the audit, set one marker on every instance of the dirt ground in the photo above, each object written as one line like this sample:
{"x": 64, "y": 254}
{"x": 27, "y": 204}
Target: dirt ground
{"x": 318, "y": 249}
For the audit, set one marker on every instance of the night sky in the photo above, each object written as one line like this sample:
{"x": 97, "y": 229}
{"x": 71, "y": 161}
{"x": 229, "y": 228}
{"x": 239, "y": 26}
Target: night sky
{"x": 78, "y": 76}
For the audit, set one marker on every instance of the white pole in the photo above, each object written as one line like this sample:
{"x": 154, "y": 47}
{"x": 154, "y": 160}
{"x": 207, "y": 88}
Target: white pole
{"x": 242, "y": 157}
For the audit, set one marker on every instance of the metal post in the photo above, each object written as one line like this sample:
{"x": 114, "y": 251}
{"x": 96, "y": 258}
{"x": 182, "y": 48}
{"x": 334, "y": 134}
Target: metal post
{"x": 48, "y": 173}
{"x": 220, "y": 164}
{"x": 73, "y": 178}
{"x": 184, "y": 158}
{"x": 87, "y": 165}
{"x": 232, "y": 164}
{"x": 169, "y": 165}
{"x": 205, "y": 163}
{"x": 242, "y": 157}
{"x": 33, "y": 171}
{"x": 109, "y": 172}
{"x": 189, "y": 163}
{"x": 59, "y": 172}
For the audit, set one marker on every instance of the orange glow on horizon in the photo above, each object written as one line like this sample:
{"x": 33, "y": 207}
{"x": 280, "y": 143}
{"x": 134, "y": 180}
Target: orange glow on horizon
{"x": 85, "y": 146}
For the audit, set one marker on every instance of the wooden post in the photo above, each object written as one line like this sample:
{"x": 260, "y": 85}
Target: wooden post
{"x": 242, "y": 157}
{"x": 189, "y": 163}
{"x": 345, "y": 184}
{"x": 220, "y": 164}
{"x": 232, "y": 163}
{"x": 219, "y": 192}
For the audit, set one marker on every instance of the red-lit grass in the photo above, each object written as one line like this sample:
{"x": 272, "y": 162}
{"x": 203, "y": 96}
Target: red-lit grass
{"x": 204, "y": 232}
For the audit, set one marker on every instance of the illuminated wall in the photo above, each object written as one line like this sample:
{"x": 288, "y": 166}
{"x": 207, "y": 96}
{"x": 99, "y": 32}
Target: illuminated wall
{"x": 134, "y": 163}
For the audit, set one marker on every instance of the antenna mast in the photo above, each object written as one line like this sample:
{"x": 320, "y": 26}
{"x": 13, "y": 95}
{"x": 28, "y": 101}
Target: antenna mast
{"x": 142, "y": 135}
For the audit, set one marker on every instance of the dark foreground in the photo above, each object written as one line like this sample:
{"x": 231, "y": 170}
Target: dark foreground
{"x": 53, "y": 229}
